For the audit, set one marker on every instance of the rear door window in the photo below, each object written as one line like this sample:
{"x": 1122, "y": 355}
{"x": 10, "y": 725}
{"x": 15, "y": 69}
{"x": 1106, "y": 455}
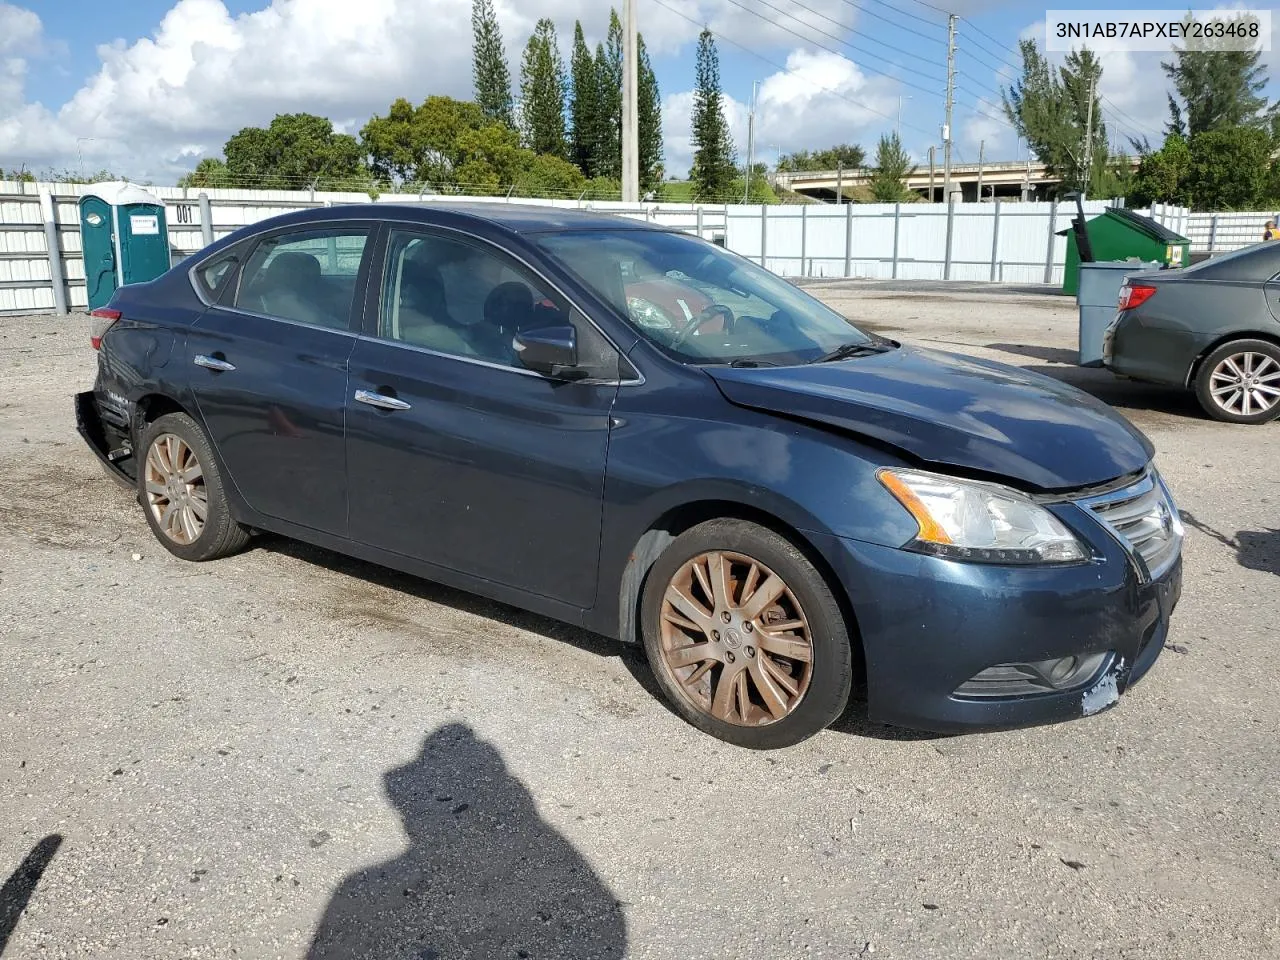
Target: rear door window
{"x": 213, "y": 276}
{"x": 307, "y": 277}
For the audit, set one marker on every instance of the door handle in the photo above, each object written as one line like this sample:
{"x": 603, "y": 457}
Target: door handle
{"x": 380, "y": 400}
{"x": 213, "y": 363}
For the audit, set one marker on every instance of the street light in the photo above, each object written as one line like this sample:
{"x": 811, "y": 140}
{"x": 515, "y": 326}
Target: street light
{"x": 79, "y": 158}
{"x": 899, "y": 130}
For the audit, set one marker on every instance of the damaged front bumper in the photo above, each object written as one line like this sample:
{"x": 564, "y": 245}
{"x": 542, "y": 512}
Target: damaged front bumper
{"x": 930, "y": 627}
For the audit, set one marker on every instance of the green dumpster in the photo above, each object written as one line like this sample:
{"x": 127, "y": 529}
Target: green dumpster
{"x": 1119, "y": 234}
{"x": 124, "y": 238}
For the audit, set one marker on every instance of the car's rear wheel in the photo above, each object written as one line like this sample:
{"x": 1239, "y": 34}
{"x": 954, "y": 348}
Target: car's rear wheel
{"x": 1240, "y": 382}
{"x": 180, "y": 489}
{"x": 745, "y": 637}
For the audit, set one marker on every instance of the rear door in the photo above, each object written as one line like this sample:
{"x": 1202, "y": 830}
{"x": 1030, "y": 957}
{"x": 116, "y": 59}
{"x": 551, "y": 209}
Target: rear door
{"x": 458, "y": 455}
{"x": 269, "y": 370}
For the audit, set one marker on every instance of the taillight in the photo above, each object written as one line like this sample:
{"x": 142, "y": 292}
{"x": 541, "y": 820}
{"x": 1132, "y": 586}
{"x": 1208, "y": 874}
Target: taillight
{"x": 102, "y": 319}
{"x": 1135, "y": 295}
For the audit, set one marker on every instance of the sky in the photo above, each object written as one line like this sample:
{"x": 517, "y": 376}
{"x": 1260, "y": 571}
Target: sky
{"x": 148, "y": 88}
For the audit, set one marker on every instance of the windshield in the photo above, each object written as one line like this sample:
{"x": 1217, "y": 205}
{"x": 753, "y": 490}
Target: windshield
{"x": 699, "y": 303}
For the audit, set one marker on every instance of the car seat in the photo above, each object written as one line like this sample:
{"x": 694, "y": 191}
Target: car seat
{"x": 424, "y": 311}
{"x": 290, "y": 287}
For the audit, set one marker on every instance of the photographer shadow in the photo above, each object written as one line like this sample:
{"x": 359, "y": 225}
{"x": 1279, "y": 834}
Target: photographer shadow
{"x": 484, "y": 876}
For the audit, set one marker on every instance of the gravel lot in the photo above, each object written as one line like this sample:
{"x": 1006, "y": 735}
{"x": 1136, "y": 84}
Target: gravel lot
{"x": 291, "y": 754}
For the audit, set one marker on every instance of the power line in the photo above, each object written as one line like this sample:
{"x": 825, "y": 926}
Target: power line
{"x": 999, "y": 56}
{"x": 844, "y": 26}
{"x": 900, "y": 12}
{"x": 983, "y": 62}
{"x": 786, "y": 69}
{"x": 810, "y": 40}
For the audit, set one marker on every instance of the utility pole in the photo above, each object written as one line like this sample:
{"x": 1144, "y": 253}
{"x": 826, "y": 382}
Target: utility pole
{"x": 1088, "y": 143}
{"x": 951, "y": 96}
{"x": 751, "y": 142}
{"x": 982, "y": 146}
{"x": 931, "y": 174}
{"x": 630, "y": 109}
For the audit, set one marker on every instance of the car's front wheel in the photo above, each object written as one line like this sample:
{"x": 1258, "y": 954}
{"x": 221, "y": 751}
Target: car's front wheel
{"x": 745, "y": 637}
{"x": 180, "y": 489}
{"x": 1240, "y": 382}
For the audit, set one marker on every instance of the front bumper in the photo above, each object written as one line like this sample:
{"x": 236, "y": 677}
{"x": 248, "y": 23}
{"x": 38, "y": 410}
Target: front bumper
{"x": 928, "y": 625}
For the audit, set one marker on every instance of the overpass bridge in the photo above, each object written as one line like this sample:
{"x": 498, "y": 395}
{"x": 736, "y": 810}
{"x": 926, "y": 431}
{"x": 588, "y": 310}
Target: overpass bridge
{"x": 1022, "y": 180}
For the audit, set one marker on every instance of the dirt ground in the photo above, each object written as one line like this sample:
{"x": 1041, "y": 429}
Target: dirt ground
{"x": 292, "y": 754}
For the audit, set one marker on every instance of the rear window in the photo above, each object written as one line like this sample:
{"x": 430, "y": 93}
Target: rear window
{"x": 1258, "y": 262}
{"x": 214, "y": 275}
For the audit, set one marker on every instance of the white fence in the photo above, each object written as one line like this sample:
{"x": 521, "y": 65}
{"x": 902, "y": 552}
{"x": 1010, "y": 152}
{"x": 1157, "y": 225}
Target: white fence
{"x": 1221, "y": 232}
{"x": 999, "y": 241}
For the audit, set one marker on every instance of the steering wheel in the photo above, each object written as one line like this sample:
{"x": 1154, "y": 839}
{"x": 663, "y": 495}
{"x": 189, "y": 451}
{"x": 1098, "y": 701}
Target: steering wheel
{"x": 706, "y": 316}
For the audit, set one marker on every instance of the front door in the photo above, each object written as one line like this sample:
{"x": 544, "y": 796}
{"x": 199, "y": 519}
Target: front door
{"x": 459, "y": 456}
{"x": 97, "y": 238}
{"x": 269, "y": 372}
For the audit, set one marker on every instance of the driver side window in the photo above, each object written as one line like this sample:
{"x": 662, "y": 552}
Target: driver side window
{"x": 464, "y": 299}
{"x": 455, "y": 297}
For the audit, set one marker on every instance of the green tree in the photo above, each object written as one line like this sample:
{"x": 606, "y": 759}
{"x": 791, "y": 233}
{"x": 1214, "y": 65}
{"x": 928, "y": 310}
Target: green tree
{"x": 548, "y": 176}
{"x": 713, "y": 159}
{"x": 295, "y": 151}
{"x": 609, "y": 71}
{"x": 441, "y": 122}
{"x": 490, "y": 160}
{"x": 211, "y": 172}
{"x": 392, "y": 143}
{"x": 584, "y": 106}
{"x": 1216, "y": 88}
{"x": 1229, "y": 168}
{"x": 1116, "y": 179}
{"x": 1162, "y": 175}
{"x": 1050, "y": 109}
{"x": 542, "y": 89}
{"x": 1175, "y": 126}
{"x": 419, "y": 144}
{"x": 893, "y": 166}
{"x": 649, "y": 121}
{"x": 20, "y": 175}
{"x": 1081, "y": 74}
{"x": 850, "y": 156}
{"x": 489, "y": 70}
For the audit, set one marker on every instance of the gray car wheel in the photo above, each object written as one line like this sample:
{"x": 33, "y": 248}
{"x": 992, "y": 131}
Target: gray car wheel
{"x": 1240, "y": 382}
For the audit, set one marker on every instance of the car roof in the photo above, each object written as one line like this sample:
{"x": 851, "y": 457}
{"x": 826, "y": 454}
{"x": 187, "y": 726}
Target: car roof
{"x": 1256, "y": 263}
{"x": 514, "y": 217}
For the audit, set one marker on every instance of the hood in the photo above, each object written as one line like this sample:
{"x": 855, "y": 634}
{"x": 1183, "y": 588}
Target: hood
{"x": 954, "y": 411}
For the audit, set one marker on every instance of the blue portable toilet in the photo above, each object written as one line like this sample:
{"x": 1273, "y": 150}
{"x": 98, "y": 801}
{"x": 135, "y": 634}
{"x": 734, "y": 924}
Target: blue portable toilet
{"x": 124, "y": 238}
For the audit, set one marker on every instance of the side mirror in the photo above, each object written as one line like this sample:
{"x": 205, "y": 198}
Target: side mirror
{"x": 551, "y": 351}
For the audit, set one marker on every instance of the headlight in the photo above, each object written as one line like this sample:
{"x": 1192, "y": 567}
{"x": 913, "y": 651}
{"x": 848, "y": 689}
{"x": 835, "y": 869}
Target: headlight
{"x": 648, "y": 315}
{"x": 980, "y": 522}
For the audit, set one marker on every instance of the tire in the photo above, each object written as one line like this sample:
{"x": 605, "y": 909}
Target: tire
{"x": 181, "y": 530}
{"x": 1224, "y": 373}
{"x": 697, "y": 641}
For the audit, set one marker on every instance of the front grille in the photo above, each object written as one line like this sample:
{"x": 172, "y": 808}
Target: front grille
{"x": 1145, "y": 519}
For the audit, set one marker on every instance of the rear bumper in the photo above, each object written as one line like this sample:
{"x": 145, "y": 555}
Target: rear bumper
{"x": 929, "y": 625}
{"x": 91, "y": 429}
{"x": 1144, "y": 349}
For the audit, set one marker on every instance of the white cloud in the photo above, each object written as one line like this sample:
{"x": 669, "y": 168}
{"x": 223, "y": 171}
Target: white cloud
{"x": 156, "y": 104}
{"x": 823, "y": 100}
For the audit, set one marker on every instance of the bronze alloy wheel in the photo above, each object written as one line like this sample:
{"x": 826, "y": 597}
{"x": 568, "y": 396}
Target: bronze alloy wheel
{"x": 735, "y": 639}
{"x": 175, "y": 489}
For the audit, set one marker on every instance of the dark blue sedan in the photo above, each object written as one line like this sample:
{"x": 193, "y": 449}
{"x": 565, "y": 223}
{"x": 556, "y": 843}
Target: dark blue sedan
{"x": 629, "y": 429}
